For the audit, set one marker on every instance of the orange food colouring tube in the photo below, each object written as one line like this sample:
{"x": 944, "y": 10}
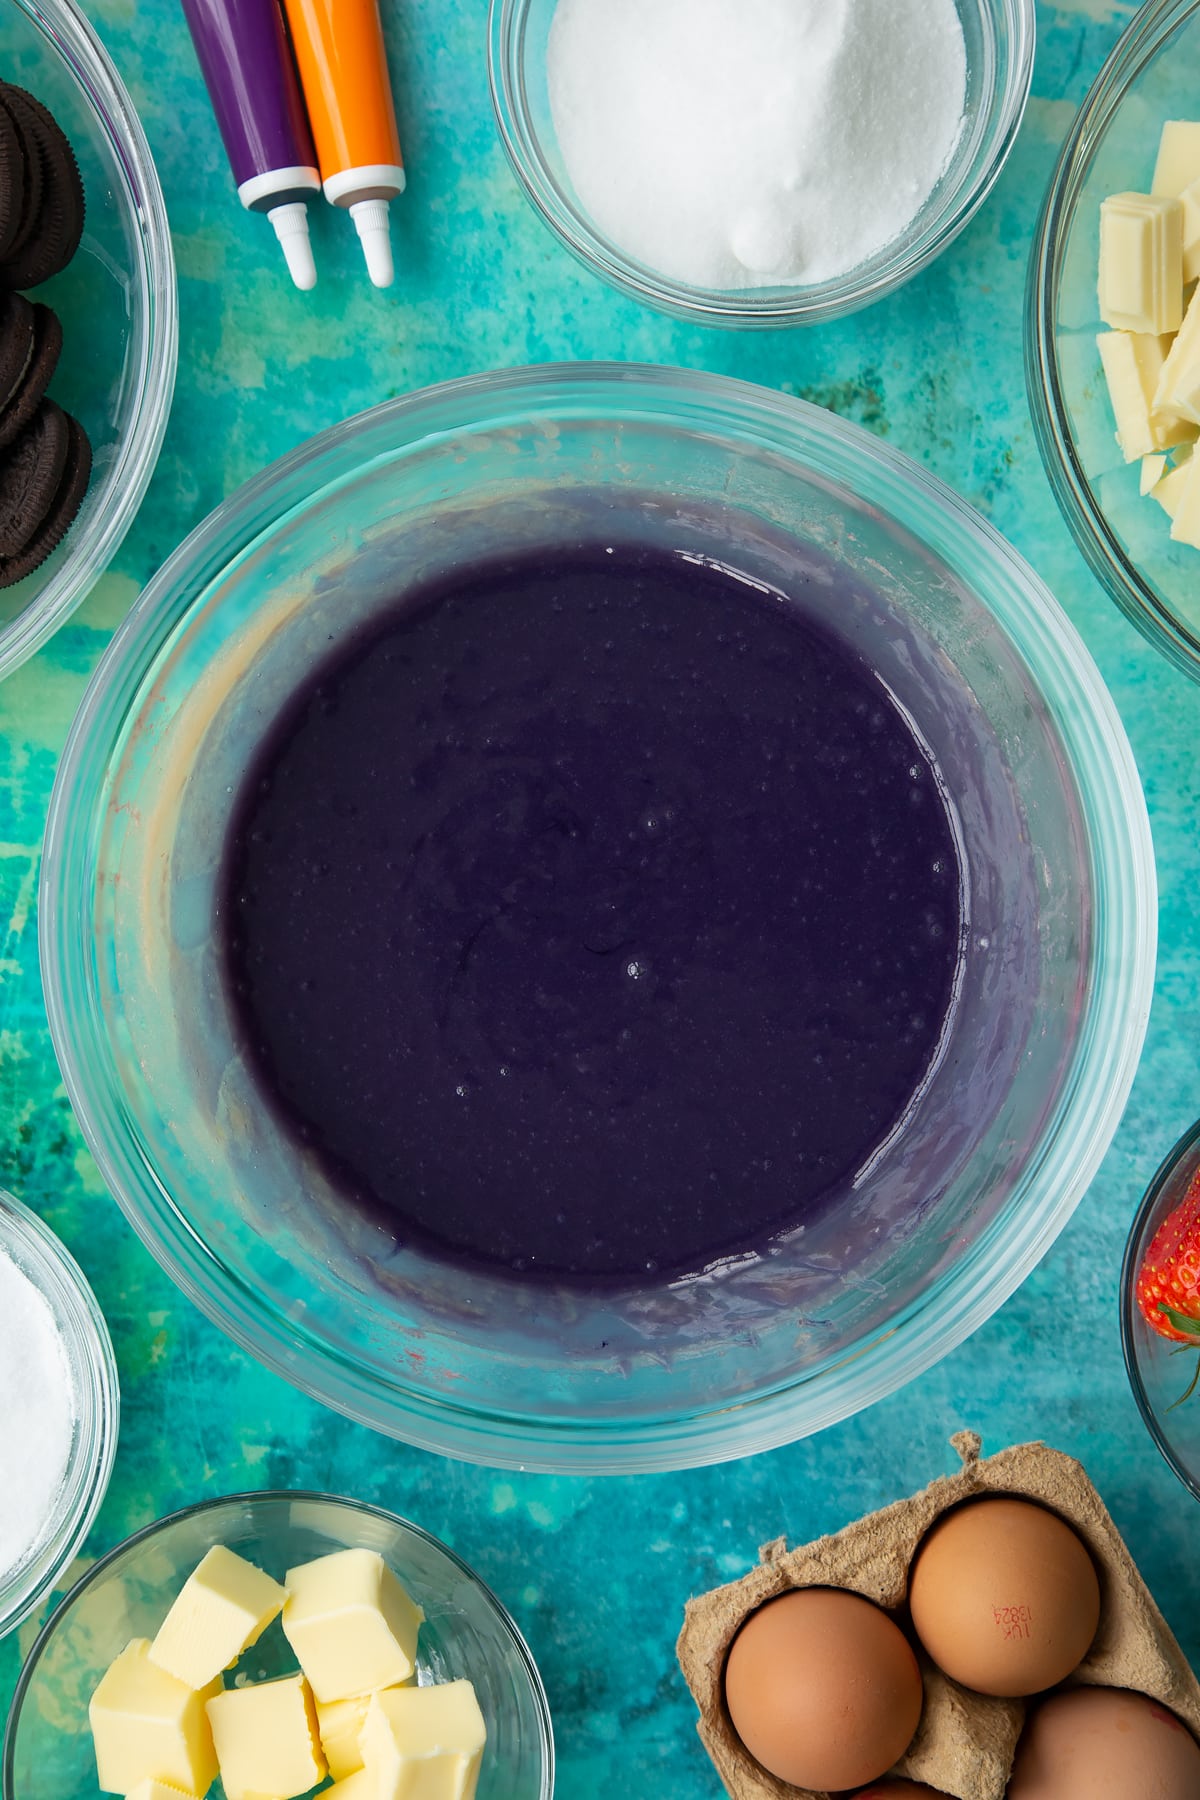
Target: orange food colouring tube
{"x": 343, "y": 70}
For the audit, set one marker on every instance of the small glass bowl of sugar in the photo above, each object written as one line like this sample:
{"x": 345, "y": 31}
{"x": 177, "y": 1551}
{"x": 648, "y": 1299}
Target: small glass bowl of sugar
{"x": 759, "y": 162}
{"x": 59, "y": 1410}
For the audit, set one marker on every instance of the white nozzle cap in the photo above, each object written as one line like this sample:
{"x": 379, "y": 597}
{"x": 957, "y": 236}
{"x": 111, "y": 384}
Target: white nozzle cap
{"x": 371, "y": 220}
{"x": 291, "y": 228}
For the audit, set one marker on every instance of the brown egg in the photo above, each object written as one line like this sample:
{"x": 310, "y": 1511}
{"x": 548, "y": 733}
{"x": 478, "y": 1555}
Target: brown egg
{"x": 1105, "y": 1744}
{"x": 1004, "y": 1597}
{"x": 823, "y": 1688}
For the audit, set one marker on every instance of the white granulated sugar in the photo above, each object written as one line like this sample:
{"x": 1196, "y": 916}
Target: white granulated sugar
{"x": 744, "y": 143}
{"x": 37, "y": 1415}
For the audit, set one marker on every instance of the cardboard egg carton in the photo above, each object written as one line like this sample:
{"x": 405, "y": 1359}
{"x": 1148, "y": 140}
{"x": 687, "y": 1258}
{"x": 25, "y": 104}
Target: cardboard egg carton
{"x": 965, "y": 1741}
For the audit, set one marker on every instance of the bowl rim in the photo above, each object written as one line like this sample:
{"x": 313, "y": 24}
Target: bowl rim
{"x": 946, "y": 1311}
{"x": 249, "y": 1498}
{"x": 1186, "y": 1147}
{"x": 763, "y": 308}
{"x": 98, "y": 1412}
{"x": 1140, "y": 602}
{"x": 64, "y": 26}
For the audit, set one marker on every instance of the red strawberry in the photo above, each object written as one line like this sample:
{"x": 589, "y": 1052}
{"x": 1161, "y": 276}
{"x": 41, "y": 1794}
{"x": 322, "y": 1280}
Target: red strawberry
{"x": 1168, "y": 1283}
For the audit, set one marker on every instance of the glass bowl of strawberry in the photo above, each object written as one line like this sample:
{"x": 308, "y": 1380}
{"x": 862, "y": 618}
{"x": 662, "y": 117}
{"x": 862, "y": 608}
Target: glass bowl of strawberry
{"x": 1160, "y": 1308}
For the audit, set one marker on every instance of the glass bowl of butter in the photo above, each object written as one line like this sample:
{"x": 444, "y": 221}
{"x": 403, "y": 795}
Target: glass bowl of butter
{"x": 1117, "y": 452}
{"x": 280, "y": 1638}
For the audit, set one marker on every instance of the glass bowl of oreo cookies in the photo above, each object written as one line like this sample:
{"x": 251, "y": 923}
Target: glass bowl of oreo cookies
{"x": 88, "y": 331}
{"x": 597, "y": 918}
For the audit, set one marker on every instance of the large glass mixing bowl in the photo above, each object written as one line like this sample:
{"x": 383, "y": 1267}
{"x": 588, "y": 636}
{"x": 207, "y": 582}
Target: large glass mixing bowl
{"x": 938, "y": 1226}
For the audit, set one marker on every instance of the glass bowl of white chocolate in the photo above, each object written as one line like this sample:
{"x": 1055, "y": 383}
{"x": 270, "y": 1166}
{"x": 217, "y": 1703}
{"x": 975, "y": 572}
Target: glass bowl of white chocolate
{"x": 1113, "y": 328}
{"x": 269, "y": 1644}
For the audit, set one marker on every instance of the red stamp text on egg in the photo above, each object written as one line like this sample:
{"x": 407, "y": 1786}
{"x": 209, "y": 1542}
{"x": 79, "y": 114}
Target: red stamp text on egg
{"x": 1013, "y": 1621}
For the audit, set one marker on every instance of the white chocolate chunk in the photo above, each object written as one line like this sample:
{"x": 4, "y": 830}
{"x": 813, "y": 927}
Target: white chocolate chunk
{"x": 1190, "y": 202}
{"x": 1178, "y": 162}
{"x": 147, "y": 1726}
{"x": 1178, "y": 388}
{"x": 1133, "y": 367}
{"x": 1152, "y": 472}
{"x": 351, "y": 1624}
{"x": 223, "y": 1607}
{"x": 1141, "y": 263}
{"x": 266, "y": 1739}
{"x": 1185, "y": 521}
{"x": 424, "y": 1743}
{"x": 1169, "y": 491}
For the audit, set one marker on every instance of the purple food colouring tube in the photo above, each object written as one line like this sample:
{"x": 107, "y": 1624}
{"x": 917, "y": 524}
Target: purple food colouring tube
{"x": 247, "y": 67}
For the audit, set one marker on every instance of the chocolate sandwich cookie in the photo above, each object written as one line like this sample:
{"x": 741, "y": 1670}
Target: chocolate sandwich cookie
{"x": 30, "y": 472}
{"x": 13, "y": 181}
{"x": 68, "y": 498}
{"x": 40, "y": 363}
{"x": 48, "y": 236}
{"x": 18, "y": 338}
{"x": 32, "y": 189}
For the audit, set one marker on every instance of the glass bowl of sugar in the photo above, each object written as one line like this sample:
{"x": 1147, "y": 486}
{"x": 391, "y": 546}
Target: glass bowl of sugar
{"x": 755, "y": 162}
{"x": 58, "y": 1401}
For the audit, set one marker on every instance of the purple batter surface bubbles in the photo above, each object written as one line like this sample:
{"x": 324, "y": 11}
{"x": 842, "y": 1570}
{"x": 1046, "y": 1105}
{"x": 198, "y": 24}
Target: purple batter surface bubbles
{"x": 593, "y": 917}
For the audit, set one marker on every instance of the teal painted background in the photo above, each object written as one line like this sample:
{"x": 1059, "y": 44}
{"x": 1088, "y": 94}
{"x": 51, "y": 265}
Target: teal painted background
{"x": 596, "y": 1572}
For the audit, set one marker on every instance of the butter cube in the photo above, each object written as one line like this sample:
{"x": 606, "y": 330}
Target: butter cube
{"x": 359, "y": 1786}
{"x": 1178, "y": 387}
{"x": 266, "y": 1739}
{"x": 1152, "y": 472}
{"x": 1141, "y": 263}
{"x": 1133, "y": 368}
{"x": 424, "y": 1743}
{"x": 147, "y": 1726}
{"x": 1178, "y": 163}
{"x": 156, "y": 1790}
{"x": 340, "y": 1722}
{"x": 351, "y": 1624}
{"x": 222, "y": 1608}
